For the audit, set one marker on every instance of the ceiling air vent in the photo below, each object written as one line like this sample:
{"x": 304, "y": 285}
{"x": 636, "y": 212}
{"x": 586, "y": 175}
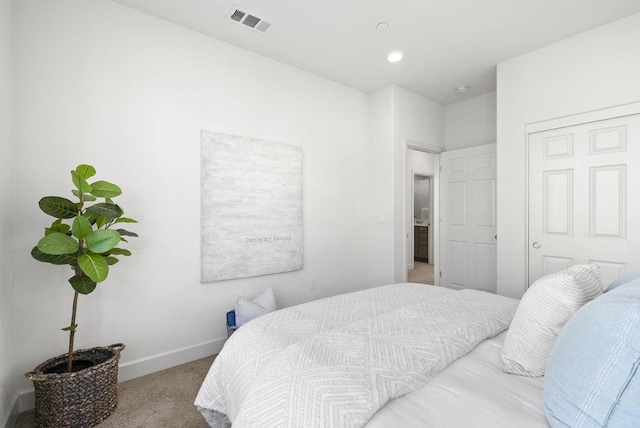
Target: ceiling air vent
{"x": 249, "y": 19}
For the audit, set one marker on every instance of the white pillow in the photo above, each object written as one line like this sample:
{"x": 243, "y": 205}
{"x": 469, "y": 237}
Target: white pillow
{"x": 247, "y": 310}
{"x": 543, "y": 310}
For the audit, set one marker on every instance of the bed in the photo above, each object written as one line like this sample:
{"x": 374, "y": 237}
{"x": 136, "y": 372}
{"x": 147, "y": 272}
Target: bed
{"x": 405, "y": 355}
{"x": 472, "y": 392}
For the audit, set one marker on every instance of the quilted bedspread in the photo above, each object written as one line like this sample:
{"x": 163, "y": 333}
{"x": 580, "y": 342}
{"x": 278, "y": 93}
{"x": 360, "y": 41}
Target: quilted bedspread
{"x": 334, "y": 362}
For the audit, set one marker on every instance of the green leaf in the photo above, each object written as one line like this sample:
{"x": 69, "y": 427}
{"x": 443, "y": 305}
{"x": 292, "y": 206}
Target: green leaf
{"x": 92, "y": 217}
{"x": 111, "y": 260}
{"x": 58, "y": 243}
{"x": 61, "y": 259}
{"x": 81, "y": 227}
{"x": 126, "y": 220}
{"x": 57, "y": 226}
{"x": 71, "y": 328}
{"x": 101, "y": 241}
{"x": 94, "y": 266}
{"x": 86, "y": 197}
{"x": 80, "y": 182}
{"x": 101, "y": 221}
{"x": 58, "y": 207}
{"x": 82, "y": 284}
{"x": 86, "y": 171}
{"x": 62, "y": 228}
{"x": 104, "y": 189}
{"x": 126, "y": 233}
{"x": 107, "y": 210}
{"x": 120, "y": 251}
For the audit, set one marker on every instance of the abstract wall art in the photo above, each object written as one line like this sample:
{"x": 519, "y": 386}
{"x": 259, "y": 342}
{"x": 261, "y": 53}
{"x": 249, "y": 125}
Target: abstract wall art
{"x": 251, "y": 207}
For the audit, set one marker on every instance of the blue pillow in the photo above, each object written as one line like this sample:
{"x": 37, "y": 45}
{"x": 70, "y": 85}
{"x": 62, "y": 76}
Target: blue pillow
{"x": 630, "y": 277}
{"x": 592, "y": 377}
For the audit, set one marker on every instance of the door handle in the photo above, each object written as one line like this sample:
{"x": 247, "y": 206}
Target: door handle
{"x": 536, "y": 245}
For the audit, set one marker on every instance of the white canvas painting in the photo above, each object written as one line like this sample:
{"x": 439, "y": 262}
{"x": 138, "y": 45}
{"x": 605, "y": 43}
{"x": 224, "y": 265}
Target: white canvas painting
{"x": 251, "y": 219}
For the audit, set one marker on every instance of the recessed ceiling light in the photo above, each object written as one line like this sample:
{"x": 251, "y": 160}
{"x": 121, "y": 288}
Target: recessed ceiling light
{"x": 382, "y": 26}
{"x": 462, "y": 89}
{"x": 395, "y": 56}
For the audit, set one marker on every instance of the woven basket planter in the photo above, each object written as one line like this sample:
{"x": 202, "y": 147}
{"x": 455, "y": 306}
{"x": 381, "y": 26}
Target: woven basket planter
{"x": 78, "y": 399}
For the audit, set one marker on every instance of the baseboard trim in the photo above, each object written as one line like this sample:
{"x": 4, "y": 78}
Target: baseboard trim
{"x": 12, "y": 413}
{"x": 165, "y": 360}
{"x": 25, "y": 400}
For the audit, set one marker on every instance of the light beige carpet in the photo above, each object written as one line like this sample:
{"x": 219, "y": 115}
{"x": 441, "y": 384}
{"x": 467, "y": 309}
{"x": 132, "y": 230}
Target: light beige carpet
{"x": 421, "y": 273}
{"x": 159, "y": 400}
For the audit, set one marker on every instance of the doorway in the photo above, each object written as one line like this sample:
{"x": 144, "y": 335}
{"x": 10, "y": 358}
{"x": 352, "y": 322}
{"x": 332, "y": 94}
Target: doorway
{"x": 421, "y": 211}
{"x": 421, "y": 256}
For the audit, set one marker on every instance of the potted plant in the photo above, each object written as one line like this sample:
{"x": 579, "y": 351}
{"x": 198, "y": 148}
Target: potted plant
{"x": 79, "y": 389}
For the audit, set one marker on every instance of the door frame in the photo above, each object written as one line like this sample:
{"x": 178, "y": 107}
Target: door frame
{"x": 562, "y": 122}
{"x": 410, "y": 223}
{"x": 435, "y": 195}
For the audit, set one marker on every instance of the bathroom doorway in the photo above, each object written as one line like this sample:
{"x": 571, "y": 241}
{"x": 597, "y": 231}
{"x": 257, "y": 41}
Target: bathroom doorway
{"x": 422, "y": 166}
{"x": 420, "y": 269}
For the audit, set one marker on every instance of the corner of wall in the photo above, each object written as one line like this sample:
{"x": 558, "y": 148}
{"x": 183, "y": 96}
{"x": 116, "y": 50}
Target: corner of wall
{"x": 420, "y": 120}
{"x": 471, "y": 122}
{"x": 381, "y": 187}
{"x": 12, "y": 413}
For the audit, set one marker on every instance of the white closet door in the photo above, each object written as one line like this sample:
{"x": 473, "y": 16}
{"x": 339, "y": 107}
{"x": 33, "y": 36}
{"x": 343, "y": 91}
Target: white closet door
{"x": 468, "y": 218}
{"x": 583, "y": 197}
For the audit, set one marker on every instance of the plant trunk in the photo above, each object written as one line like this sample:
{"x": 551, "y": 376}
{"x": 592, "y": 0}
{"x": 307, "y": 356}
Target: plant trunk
{"x": 72, "y": 332}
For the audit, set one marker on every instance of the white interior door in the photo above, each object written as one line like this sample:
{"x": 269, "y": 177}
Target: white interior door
{"x": 468, "y": 218}
{"x": 581, "y": 208}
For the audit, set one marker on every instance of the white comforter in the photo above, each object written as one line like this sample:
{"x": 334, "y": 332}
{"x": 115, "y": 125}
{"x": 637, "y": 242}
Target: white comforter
{"x": 334, "y": 362}
{"x": 473, "y": 391}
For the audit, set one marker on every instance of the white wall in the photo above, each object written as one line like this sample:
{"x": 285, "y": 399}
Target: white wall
{"x": 421, "y": 121}
{"x": 100, "y": 83}
{"x": 417, "y": 118}
{"x": 381, "y": 191}
{"x": 590, "y": 71}
{"x": 470, "y": 122}
{"x": 6, "y": 193}
{"x": 397, "y": 116}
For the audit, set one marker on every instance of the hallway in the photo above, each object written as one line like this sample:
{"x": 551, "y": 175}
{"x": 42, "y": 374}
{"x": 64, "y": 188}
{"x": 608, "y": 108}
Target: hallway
{"x": 421, "y": 273}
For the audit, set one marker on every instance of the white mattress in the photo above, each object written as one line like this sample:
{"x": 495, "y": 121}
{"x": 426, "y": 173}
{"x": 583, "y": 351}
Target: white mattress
{"x": 472, "y": 392}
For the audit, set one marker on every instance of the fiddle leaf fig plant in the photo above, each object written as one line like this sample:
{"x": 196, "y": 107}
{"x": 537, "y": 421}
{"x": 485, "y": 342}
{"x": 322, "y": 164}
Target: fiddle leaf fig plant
{"x": 83, "y": 236}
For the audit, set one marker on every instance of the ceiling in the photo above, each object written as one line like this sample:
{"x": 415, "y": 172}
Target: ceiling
{"x": 447, "y": 43}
